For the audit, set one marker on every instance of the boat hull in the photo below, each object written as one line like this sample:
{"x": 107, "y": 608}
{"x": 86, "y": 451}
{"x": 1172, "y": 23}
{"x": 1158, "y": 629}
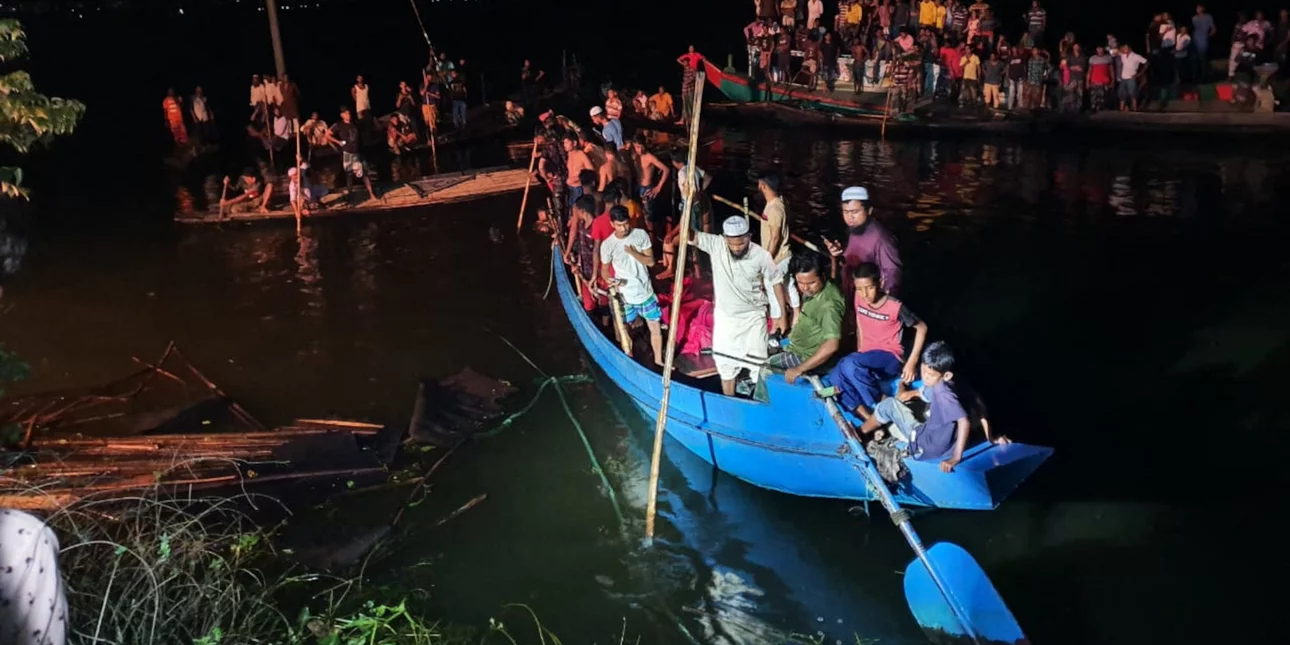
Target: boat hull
{"x": 790, "y": 444}
{"x": 741, "y": 89}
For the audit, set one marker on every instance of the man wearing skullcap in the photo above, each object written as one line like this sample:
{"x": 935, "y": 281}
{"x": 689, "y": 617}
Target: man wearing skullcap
{"x": 740, "y": 271}
{"x": 869, "y": 241}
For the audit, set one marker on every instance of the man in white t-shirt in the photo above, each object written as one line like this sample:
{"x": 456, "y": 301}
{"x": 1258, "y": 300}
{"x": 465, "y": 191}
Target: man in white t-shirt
{"x": 1132, "y": 67}
{"x": 631, "y": 255}
{"x": 740, "y": 271}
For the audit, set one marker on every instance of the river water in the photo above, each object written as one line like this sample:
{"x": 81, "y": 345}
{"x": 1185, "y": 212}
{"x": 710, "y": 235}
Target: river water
{"x": 1123, "y": 301}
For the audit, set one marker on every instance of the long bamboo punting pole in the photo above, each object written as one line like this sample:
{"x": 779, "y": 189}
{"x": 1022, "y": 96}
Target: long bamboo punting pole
{"x": 300, "y": 179}
{"x": 674, "y": 318}
{"x": 750, "y": 213}
{"x": 527, "y": 183}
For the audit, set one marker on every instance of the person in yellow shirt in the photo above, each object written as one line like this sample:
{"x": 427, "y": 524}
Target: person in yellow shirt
{"x": 854, "y": 13}
{"x": 941, "y": 12}
{"x": 970, "y": 95}
{"x": 927, "y": 13}
{"x": 660, "y": 105}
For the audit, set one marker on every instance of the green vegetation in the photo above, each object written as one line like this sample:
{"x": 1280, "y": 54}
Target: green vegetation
{"x": 151, "y": 571}
{"x": 27, "y": 117}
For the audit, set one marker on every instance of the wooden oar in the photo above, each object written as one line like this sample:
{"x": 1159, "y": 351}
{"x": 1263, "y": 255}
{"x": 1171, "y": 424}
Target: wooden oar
{"x": 222, "y": 194}
{"x": 674, "y": 319}
{"x": 750, "y": 213}
{"x": 946, "y": 589}
{"x": 527, "y": 183}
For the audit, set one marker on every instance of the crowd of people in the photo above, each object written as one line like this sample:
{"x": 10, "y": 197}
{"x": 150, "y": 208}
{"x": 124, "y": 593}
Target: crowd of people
{"x": 278, "y": 131}
{"x": 953, "y": 51}
{"x": 772, "y": 309}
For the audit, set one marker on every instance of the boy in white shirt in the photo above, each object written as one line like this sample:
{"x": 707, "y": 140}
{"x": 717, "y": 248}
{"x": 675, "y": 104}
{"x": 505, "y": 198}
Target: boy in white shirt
{"x": 629, "y": 252}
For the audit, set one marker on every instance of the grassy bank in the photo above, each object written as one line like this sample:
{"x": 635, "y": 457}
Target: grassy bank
{"x": 145, "y": 571}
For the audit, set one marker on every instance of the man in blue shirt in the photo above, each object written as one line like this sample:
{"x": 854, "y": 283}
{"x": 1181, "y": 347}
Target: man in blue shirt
{"x": 611, "y": 130}
{"x": 1202, "y": 29}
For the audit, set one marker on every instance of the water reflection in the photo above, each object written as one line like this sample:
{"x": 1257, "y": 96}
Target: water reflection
{"x": 924, "y": 180}
{"x": 1056, "y": 270}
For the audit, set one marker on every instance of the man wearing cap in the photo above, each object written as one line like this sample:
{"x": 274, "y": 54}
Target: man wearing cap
{"x": 740, "y": 271}
{"x": 869, "y": 241}
{"x": 611, "y": 130}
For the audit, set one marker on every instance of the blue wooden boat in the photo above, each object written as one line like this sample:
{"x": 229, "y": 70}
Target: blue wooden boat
{"x": 791, "y": 444}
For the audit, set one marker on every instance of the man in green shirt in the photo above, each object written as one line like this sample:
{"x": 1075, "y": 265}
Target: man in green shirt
{"x": 818, "y": 332}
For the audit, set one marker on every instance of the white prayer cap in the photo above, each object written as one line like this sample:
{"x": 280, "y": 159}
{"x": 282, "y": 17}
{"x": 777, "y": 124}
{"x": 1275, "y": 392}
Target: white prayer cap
{"x": 735, "y": 227}
{"x": 596, "y": 111}
{"x": 855, "y": 193}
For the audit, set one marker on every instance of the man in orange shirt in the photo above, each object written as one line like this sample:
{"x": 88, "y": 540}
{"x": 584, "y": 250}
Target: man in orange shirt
{"x": 660, "y": 105}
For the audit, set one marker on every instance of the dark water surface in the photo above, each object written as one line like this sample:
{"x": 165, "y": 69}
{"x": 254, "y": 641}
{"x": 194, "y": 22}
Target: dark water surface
{"x": 1124, "y": 304}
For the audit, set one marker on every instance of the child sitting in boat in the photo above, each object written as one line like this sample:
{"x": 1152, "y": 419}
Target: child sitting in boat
{"x": 944, "y": 434}
{"x": 630, "y": 254}
{"x": 881, "y": 320}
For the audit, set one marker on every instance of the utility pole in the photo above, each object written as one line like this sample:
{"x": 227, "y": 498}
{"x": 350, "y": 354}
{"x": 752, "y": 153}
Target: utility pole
{"x": 271, "y": 7}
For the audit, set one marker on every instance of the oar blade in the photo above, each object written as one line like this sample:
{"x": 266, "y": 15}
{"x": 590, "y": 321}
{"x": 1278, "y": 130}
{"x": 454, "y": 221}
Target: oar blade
{"x": 969, "y": 588}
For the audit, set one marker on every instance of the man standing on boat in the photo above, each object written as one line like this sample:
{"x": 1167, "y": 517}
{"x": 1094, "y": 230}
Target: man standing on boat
{"x": 689, "y": 62}
{"x": 869, "y": 241}
{"x": 774, "y": 238}
{"x": 344, "y": 135}
{"x": 740, "y": 271}
{"x": 611, "y": 129}
{"x": 652, "y": 176}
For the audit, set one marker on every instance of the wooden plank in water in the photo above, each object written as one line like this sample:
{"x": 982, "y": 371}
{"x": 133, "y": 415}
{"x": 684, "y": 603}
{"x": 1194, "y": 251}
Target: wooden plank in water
{"x": 460, "y": 188}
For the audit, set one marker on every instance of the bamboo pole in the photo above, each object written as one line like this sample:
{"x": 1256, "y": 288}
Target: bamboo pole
{"x": 750, "y": 213}
{"x": 222, "y": 195}
{"x": 527, "y": 183}
{"x": 678, "y": 286}
{"x": 886, "y": 111}
{"x": 434, "y": 118}
{"x": 300, "y": 178}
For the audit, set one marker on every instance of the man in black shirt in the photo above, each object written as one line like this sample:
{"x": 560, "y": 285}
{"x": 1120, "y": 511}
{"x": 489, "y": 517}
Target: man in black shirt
{"x": 345, "y": 135}
{"x": 457, "y": 90}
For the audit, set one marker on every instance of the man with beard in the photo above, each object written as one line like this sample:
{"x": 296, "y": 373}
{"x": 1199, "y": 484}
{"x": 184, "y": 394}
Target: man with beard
{"x": 740, "y": 269}
{"x": 869, "y": 241}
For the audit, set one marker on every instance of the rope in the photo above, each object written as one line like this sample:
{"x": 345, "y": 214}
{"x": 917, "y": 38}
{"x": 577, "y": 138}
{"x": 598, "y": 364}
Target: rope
{"x": 586, "y": 443}
{"x": 591, "y": 455}
{"x": 595, "y": 463}
{"x": 550, "y": 280}
{"x": 517, "y": 351}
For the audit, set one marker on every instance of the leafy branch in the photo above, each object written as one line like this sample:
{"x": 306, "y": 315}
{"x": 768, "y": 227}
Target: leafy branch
{"x": 27, "y": 117}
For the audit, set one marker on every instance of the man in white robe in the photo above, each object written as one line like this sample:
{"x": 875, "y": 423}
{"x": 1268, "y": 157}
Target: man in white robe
{"x": 740, "y": 271}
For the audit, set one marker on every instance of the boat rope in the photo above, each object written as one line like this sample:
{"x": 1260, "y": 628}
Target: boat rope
{"x": 551, "y": 278}
{"x": 607, "y": 488}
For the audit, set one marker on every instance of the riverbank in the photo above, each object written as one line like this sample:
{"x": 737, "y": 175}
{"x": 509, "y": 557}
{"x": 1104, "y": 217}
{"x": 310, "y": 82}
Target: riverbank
{"x": 205, "y": 571}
